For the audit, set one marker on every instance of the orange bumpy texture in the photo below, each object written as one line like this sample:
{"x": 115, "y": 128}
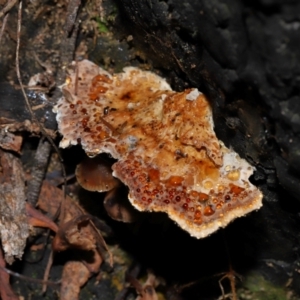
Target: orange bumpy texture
{"x": 168, "y": 154}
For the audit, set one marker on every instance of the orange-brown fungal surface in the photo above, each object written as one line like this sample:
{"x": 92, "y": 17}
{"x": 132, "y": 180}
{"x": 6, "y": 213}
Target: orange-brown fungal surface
{"x": 168, "y": 154}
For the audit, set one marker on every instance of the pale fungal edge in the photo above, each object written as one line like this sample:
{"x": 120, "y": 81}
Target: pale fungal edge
{"x": 211, "y": 227}
{"x": 163, "y": 84}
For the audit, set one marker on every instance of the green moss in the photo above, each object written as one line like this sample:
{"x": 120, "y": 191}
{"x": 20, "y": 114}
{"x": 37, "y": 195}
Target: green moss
{"x": 108, "y": 20}
{"x": 102, "y": 25}
{"x": 258, "y": 288}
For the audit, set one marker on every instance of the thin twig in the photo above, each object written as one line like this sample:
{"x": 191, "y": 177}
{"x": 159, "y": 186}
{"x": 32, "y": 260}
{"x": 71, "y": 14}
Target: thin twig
{"x": 3, "y": 26}
{"x": 10, "y": 4}
{"x": 29, "y": 278}
{"x": 47, "y": 272}
{"x": 67, "y": 48}
{"x": 231, "y": 274}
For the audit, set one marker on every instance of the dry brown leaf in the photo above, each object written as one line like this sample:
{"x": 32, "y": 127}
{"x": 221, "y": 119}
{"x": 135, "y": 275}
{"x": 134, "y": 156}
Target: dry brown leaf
{"x": 13, "y": 225}
{"x": 75, "y": 275}
{"x": 79, "y": 233}
{"x": 10, "y": 141}
{"x": 50, "y": 198}
{"x": 76, "y": 231}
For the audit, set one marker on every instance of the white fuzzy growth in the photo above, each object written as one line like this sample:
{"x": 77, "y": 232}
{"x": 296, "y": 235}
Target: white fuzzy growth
{"x": 193, "y": 95}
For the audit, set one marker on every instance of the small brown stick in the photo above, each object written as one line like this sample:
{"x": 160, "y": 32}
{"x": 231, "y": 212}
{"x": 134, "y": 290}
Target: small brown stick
{"x": 47, "y": 272}
{"x": 38, "y": 171}
{"x": 29, "y": 278}
{"x": 67, "y": 47}
{"x": 3, "y": 26}
{"x": 72, "y": 15}
{"x": 6, "y": 291}
{"x": 231, "y": 274}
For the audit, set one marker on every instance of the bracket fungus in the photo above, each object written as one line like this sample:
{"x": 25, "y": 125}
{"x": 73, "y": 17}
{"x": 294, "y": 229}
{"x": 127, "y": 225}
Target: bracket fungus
{"x": 167, "y": 151}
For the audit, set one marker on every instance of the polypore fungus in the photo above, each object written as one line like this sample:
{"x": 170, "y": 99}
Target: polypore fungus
{"x": 168, "y": 154}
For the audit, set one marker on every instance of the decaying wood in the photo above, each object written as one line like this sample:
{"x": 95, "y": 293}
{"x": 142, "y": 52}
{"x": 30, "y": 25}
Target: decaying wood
{"x": 13, "y": 225}
{"x": 10, "y": 141}
{"x": 38, "y": 171}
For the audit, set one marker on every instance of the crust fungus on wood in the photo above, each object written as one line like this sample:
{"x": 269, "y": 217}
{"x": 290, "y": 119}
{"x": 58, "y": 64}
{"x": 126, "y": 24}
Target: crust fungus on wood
{"x": 167, "y": 151}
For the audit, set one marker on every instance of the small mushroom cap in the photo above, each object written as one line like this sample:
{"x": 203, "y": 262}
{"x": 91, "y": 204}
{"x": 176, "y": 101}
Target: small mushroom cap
{"x": 95, "y": 175}
{"x": 118, "y": 207}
